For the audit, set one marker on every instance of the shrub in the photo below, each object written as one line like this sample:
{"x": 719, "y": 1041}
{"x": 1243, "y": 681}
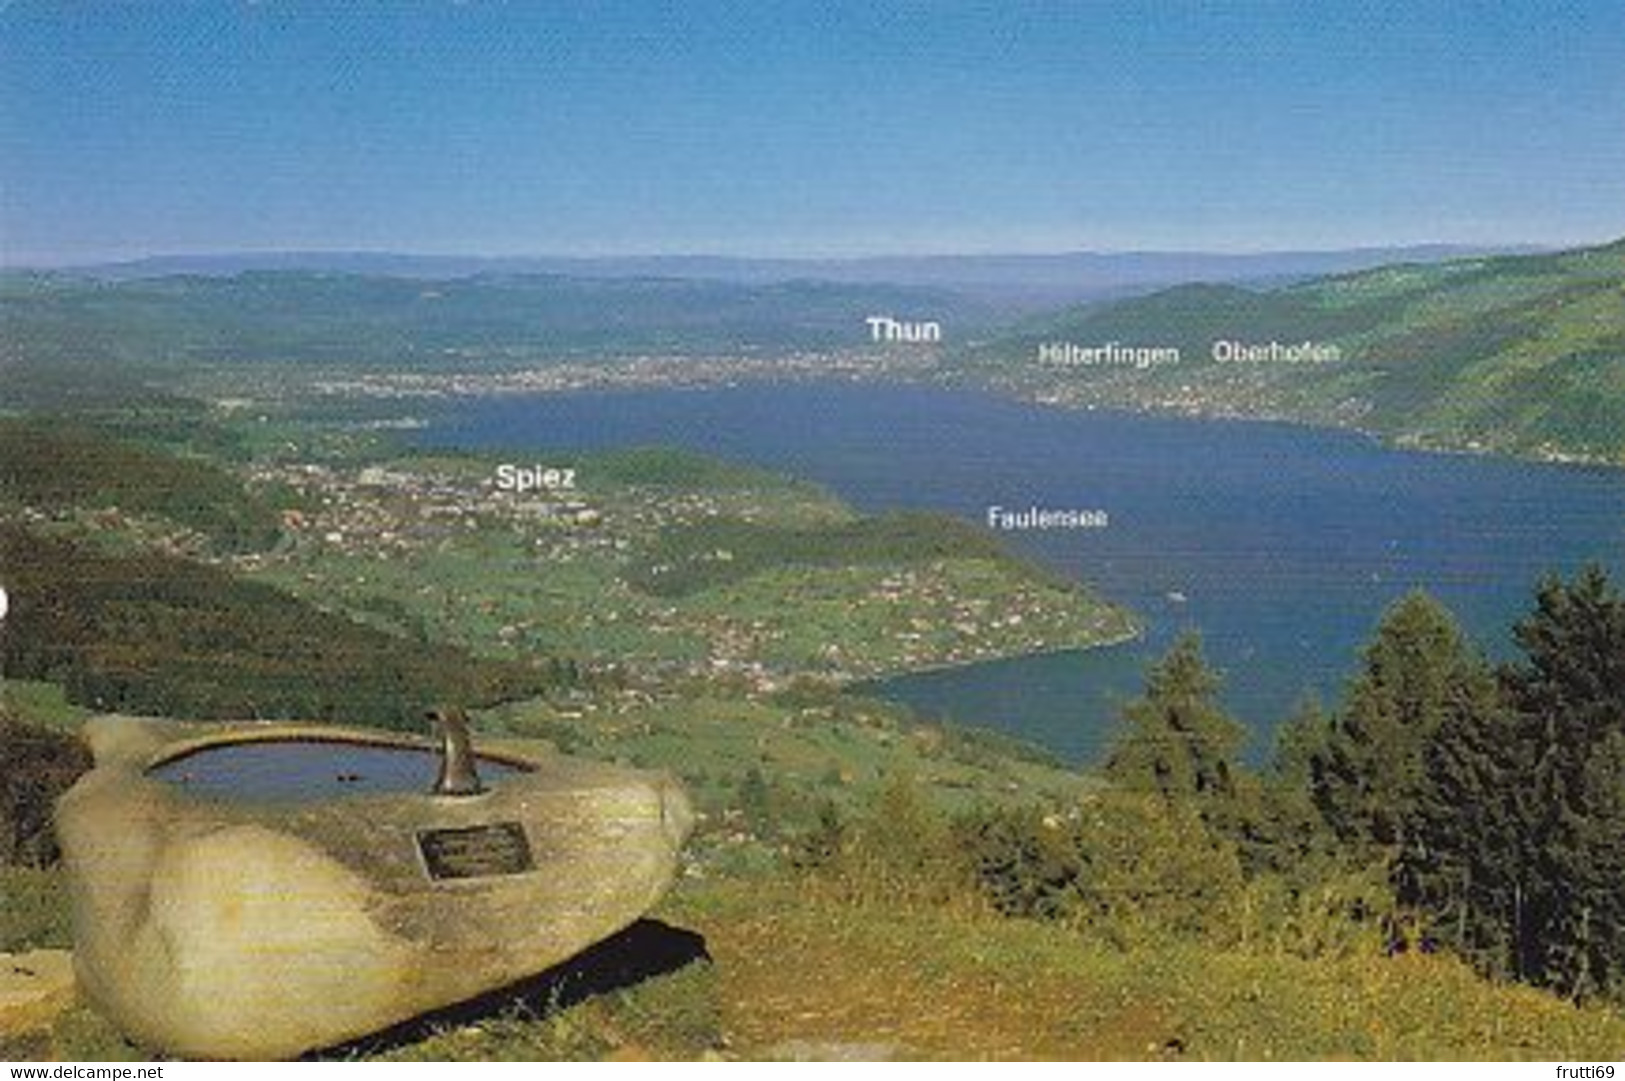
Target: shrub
{"x": 36, "y": 766}
{"x": 900, "y": 849}
{"x": 1126, "y": 867}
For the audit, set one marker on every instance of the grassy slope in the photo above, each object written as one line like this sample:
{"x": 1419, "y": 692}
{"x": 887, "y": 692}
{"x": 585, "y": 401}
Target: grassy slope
{"x": 721, "y": 551}
{"x": 805, "y": 748}
{"x": 1524, "y": 354}
{"x": 842, "y": 618}
{"x": 934, "y": 983}
{"x": 152, "y": 633}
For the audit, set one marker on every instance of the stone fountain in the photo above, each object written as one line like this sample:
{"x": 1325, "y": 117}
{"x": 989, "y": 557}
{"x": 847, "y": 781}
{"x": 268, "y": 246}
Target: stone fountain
{"x": 261, "y": 890}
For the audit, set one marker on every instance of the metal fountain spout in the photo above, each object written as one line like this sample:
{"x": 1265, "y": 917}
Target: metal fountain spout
{"x": 457, "y": 774}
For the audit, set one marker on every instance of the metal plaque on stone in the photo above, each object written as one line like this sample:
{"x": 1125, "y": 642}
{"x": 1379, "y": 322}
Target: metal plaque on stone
{"x": 500, "y": 848}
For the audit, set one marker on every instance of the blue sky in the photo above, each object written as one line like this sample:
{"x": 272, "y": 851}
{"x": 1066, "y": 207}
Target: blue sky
{"x": 480, "y": 127}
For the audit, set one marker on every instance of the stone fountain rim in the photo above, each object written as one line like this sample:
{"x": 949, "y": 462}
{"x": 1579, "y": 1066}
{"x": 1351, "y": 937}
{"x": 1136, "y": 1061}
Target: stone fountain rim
{"x": 294, "y": 732}
{"x": 127, "y": 748}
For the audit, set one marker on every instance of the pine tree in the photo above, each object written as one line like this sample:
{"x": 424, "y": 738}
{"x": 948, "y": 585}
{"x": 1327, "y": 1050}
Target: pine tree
{"x": 1574, "y": 672}
{"x": 1469, "y": 859}
{"x": 1180, "y": 743}
{"x": 1569, "y": 693}
{"x": 1285, "y": 827}
{"x": 1518, "y": 850}
{"x": 1370, "y": 774}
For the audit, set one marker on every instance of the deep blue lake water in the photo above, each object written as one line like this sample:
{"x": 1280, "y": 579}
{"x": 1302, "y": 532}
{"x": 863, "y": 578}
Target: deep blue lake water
{"x": 1285, "y": 543}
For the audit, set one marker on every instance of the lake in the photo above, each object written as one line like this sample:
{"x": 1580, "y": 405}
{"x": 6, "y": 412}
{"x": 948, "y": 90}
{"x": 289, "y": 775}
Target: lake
{"x": 1282, "y": 545}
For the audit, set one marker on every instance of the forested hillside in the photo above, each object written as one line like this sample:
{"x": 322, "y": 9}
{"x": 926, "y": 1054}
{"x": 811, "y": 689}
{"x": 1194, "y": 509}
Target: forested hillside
{"x": 1522, "y": 354}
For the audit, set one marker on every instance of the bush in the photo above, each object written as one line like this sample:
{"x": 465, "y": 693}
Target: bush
{"x": 36, "y": 766}
{"x": 1125, "y": 867}
{"x": 1323, "y": 910}
{"x": 1024, "y": 861}
{"x": 900, "y": 849}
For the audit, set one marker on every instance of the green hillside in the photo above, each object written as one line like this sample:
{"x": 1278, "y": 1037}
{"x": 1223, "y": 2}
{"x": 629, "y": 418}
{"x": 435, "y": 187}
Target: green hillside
{"x": 54, "y": 465}
{"x": 115, "y": 552}
{"x": 146, "y": 632}
{"x": 718, "y": 551}
{"x": 1518, "y": 354}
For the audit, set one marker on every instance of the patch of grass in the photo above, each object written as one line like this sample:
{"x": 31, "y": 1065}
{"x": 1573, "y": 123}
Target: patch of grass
{"x": 934, "y": 982}
{"x": 34, "y": 910}
{"x": 83, "y": 1035}
{"x": 44, "y": 705}
{"x": 673, "y": 1016}
{"x": 26, "y": 1047}
{"x": 574, "y": 1035}
{"x": 676, "y": 1015}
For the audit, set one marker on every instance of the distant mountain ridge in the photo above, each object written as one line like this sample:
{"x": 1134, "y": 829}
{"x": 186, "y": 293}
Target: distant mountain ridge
{"x": 488, "y": 320}
{"x": 1023, "y": 278}
{"x": 1520, "y": 354}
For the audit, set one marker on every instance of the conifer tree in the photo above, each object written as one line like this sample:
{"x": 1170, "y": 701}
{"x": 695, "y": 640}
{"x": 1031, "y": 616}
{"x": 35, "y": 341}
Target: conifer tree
{"x": 1469, "y": 860}
{"x": 1180, "y": 743}
{"x": 1418, "y": 670}
{"x": 1285, "y": 826}
{"x": 1569, "y": 693}
{"x": 1574, "y": 672}
{"x": 1518, "y": 855}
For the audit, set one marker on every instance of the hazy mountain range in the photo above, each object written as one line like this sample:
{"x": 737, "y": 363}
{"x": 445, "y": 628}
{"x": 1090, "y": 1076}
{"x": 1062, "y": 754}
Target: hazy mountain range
{"x": 1019, "y": 279}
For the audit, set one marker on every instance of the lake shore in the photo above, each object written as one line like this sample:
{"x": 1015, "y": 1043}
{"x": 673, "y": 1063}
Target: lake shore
{"x": 924, "y": 368}
{"x": 1285, "y": 541}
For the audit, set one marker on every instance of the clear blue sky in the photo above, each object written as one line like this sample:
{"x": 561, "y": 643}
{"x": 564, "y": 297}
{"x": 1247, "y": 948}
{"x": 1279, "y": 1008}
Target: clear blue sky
{"x": 479, "y": 127}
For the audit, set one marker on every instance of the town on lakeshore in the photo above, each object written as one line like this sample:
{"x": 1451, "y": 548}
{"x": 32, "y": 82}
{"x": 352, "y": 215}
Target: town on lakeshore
{"x": 625, "y": 548}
